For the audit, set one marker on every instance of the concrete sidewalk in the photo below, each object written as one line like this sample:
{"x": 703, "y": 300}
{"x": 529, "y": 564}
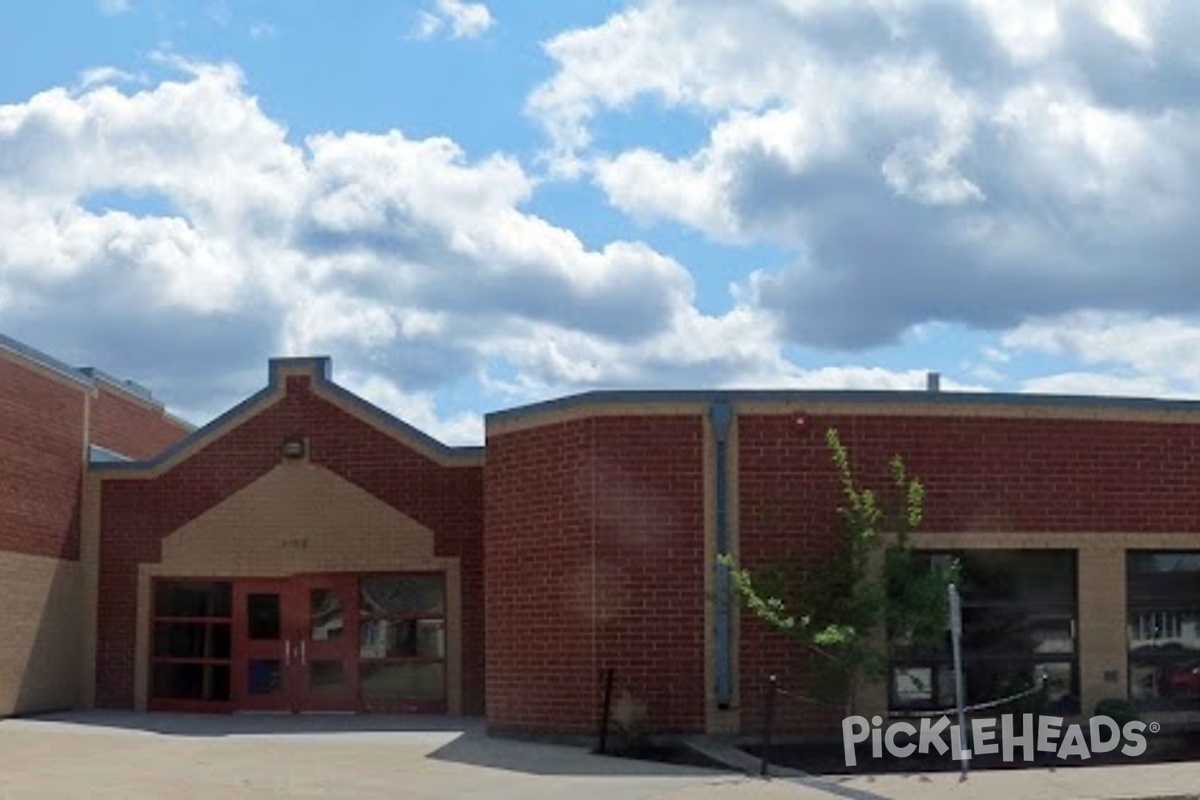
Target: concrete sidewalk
{"x": 111, "y": 755}
{"x": 1176, "y": 781}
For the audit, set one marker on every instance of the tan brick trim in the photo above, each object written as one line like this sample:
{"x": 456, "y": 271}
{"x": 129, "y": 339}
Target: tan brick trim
{"x": 39, "y": 653}
{"x": 1049, "y": 540}
{"x": 998, "y": 410}
{"x": 89, "y": 557}
{"x": 947, "y": 405}
{"x": 342, "y": 528}
{"x": 541, "y": 419}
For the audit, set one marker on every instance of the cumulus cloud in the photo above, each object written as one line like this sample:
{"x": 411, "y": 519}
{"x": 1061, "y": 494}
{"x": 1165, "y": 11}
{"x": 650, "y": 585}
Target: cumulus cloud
{"x": 174, "y": 234}
{"x": 981, "y": 163}
{"x": 461, "y": 20}
{"x": 1126, "y": 353}
{"x": 96, "y": 76}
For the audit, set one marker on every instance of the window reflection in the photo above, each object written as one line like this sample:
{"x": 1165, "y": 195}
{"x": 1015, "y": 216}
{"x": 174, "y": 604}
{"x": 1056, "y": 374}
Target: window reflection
{"x": 1018, "y": 615}
{"x": 402, "y": 640}
{"x": 1163, "y": 592}
{"x": 412, "y": 638}
{"x": 409, "y": 595}
{"x": 326, "y": 614}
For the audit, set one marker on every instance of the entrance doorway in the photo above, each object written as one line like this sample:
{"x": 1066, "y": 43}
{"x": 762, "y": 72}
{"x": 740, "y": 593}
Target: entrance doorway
{"x": 294, "y": 648}
{"x": 333, "y": 642}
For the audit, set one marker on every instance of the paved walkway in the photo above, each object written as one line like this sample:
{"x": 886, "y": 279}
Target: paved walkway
{"x": 111, "y": 755}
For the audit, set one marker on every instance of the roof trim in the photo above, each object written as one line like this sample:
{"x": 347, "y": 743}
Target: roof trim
{"x": 102, "y": 455}
{"x": 319, "y": 368}
{"x": 84, "y": 377}
{"x": 368, "y": 409}
{"x": 701, "y": 398}
{"x": 47, "y": 362}
{"x": 131, "y": 388}
{"x": 204, "y": 433}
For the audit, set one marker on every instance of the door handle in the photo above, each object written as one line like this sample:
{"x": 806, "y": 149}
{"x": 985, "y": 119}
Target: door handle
{"x": 287, "y": 653}
{"x": 303, "y": 653}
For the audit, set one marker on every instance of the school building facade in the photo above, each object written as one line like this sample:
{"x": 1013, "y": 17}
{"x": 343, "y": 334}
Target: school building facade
{"x": 307, "y": 551}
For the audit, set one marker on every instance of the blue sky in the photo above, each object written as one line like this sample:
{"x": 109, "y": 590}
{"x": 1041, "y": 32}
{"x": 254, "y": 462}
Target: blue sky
{"x": 476, "y": 205}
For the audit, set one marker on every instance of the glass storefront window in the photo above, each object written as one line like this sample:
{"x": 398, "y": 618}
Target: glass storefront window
{"x": 192, "y": 644}
{"x": 402, "y": 640}
{"x": 1019, "y": 623}
{"x": 1163, "y": 595}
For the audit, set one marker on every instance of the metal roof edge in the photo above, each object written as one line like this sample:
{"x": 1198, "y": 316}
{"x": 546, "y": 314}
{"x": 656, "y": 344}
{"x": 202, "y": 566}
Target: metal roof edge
{"x": 367, "y": 408}
{"x": 35, "y": 356}
{"x": 196, "y": 435}
{"x": 133, "y": 389}
{"x": 847, "y": 396}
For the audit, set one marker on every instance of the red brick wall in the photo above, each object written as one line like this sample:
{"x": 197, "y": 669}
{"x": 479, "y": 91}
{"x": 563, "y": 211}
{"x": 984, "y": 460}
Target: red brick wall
{"x": 981, "y": 475}
{"x": 128, "y": 427}
{"x": 594, "y": 557}
{"x": 41, "y": 461}
{"x": 137, "y": 514}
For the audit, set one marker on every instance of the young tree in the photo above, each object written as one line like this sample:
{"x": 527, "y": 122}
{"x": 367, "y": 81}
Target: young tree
{"x": 871, "y": 584}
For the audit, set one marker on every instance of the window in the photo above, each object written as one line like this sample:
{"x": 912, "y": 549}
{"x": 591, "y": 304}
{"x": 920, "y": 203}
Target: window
{"x": 192, "y": 641}
{"x": 1163, "y": 594}
{"x": 1019, "y": 615}
{"x": 402, "y": 640}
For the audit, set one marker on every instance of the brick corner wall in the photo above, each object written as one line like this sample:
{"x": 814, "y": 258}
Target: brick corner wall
{"x": 594, "y": 555}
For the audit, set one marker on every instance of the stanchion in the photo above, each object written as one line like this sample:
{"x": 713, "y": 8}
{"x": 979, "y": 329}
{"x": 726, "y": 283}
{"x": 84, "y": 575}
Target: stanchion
{"x": 605, "y": 710}
{"x": 768, "y": 724}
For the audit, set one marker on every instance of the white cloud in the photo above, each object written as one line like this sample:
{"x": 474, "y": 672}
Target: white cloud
{"x": 461, "y": 19}
{"x": 1128, "y": 354}
{"x": 176, "y": 235}
{"x": 977, "y": 163}
{"x": 1165, "y": 347}
{"x": 113, "y": 7}
{"x": 97, "y": 76}
{"x": 426, "y": 26}
{"x": 261, "y": 31}
{"x": 1099, "y": 383}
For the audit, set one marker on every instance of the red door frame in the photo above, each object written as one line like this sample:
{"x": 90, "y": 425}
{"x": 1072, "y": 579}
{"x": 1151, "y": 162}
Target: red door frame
{"x": 284, "y": 659}
{"x": 326, "y": 634}
{"x": 264, "y": 675}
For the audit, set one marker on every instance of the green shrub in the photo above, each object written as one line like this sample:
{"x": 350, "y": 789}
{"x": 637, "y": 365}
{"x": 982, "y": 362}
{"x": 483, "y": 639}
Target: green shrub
{"x": 1118, "y": 708}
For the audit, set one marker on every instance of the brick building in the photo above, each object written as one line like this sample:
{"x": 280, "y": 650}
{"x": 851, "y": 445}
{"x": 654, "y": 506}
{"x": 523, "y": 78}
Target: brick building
{"x": 308, "y": 551}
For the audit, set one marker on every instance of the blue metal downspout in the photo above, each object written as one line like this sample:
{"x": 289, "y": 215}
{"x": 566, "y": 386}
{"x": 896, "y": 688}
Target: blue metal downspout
{"x": 720, "y": 413}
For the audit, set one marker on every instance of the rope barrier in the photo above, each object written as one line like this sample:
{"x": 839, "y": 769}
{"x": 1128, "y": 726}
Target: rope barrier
{"x": 975, "y": 707}
{"x": 1012, "y": 698}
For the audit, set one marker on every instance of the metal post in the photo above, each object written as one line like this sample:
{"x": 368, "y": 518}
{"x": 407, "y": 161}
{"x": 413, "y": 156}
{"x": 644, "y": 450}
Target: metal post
{"x": 605, "y": 710}
{"x": 768, "y": 724}
{"x": 956, "y": 643}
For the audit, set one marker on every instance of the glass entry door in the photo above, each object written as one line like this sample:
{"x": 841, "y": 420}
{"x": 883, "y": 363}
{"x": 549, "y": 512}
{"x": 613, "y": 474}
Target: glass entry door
{"x": 295, "y": 648}
{"x": 328, "y": 667}
{"x": 264, "y": 677}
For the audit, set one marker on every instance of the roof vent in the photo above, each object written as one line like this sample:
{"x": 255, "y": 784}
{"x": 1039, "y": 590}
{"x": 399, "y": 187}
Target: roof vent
{"x": 933, "y": 382}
